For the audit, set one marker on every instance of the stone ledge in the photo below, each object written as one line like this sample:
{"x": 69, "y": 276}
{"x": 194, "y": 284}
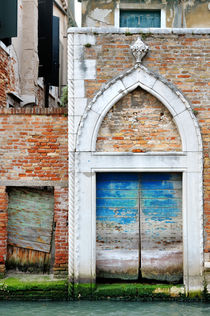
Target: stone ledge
{"x": 33, "y": 111}
{"x": 33, "y": 183}
{"x": 123, "y": 30}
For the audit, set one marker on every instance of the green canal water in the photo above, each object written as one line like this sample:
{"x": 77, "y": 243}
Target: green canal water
{"x": 100, "y": 308}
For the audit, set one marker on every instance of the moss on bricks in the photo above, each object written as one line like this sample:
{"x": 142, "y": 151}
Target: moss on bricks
{"x": 132, "y": 291}
{"x": 83, "y": 291}
{"x": 16, "y": 289}
{"x": 2, "y": 276}
{"x": 199, "y": 296}
{"x": 195, "y": 295}
{"x": 127, "y": 291}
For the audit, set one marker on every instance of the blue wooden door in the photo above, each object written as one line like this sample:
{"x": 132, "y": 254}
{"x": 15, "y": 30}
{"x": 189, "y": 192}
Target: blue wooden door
{"x": 161, "y": 226}
{"x": 139, "y": 18}
{"x": 117, "y": 225}
{"x": 139, "y": 226}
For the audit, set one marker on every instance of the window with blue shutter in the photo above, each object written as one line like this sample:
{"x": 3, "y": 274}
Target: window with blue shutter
{"x": 140, "y": 18}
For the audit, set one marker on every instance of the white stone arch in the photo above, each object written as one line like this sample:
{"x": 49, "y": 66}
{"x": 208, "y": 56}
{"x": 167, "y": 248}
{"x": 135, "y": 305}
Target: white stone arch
{"x": 167, "y": 94}
{"x": 188, "y": 161}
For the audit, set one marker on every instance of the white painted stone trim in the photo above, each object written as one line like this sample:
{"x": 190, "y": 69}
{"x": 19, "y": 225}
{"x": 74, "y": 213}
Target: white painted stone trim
{"x": 123, "y": 30}
{"x": 207, "y": 265}
{"x": 163, "y": 18}
{"x": 132, "y": 6}
{"x": 117, "y": 15}
{"x": 71, "y": 144}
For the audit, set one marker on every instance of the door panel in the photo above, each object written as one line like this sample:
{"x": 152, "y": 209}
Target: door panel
{"x": 117, "y": 225}
{"x": 128, "y": 247}
{"x": 161, "y": 226}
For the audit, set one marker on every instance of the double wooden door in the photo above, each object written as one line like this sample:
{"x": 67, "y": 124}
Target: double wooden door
{"x": 139, "y": 226}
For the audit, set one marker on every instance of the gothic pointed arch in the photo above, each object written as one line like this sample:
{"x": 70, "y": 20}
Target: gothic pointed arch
{"x": 163, "y": 90}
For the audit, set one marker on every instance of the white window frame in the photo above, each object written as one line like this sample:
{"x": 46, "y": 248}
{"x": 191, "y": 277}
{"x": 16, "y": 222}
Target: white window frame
{"x": 118, "y": 8}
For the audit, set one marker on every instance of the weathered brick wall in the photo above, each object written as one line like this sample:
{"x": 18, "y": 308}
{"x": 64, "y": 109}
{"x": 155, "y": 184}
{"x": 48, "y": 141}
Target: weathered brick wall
{"x": 34, "y": 151}
{"x": 7, "y": 77}
{"x": 33, "y": 146}
{"x": 3, "y": 228}
{"x": 182, "y": 59}
{"x": 138, "y": 123}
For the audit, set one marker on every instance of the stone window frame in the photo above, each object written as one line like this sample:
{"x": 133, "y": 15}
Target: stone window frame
{"x": 137, "y": 6}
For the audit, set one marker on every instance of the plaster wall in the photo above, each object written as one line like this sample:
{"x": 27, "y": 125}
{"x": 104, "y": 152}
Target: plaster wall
{"x": 26, "y": 46}
{"x": 177, "y": 13}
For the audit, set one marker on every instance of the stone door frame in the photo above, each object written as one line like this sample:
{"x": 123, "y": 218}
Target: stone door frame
{"x": 86, "y": 162}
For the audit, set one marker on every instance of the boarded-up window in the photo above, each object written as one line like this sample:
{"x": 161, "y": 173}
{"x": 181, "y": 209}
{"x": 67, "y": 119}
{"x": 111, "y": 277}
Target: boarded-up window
{"x": 30, "y": 224}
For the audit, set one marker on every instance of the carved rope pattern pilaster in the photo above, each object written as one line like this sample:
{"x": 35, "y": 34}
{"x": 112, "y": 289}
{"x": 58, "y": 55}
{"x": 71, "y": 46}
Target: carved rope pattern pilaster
{"x": 71, "y": 194}
{"x": 77, "y": 219}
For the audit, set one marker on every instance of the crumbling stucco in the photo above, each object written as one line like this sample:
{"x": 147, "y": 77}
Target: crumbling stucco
{"x": 179, "y": 13}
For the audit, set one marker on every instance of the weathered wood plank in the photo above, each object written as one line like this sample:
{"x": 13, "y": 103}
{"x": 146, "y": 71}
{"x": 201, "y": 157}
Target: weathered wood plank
{"x": 128, "y": 194}
{"x": 27, "y": 260}
{"x": 117, "y": 263}
{"x": 162, "y": 194}
{"x": 29, "y": 244}
{"x": 115, "y": 203}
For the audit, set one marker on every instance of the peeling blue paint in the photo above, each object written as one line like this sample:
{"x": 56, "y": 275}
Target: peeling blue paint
{"x": 161, "y": 205}
{"x": 104, "y": 211}
{"x": 161, "y": 194}
{"x": 117, "y": 202}
{"x": 124, "y": 199}
{"x": 117, "y": 219}
{"x": 117, "y": 193}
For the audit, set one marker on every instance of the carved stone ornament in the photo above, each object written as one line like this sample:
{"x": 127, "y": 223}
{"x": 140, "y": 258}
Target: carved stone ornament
{"x": 139, "y": 50}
